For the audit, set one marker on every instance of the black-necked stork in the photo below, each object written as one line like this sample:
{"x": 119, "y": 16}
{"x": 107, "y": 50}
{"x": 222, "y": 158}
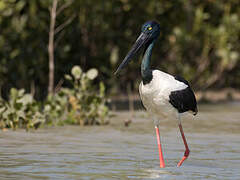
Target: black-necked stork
{"x": 162, "y": 94}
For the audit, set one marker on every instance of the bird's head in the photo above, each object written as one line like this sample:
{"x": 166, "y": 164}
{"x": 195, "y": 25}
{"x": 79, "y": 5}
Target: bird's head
{"x": 152, "y": 28}
{"x": 149, "y": 32}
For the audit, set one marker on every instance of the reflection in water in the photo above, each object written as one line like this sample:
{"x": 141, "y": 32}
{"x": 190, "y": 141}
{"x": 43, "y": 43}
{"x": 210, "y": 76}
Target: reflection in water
{"x": 117, "y": 152}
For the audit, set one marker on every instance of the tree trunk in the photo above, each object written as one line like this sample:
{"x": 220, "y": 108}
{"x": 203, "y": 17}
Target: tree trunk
{"x": 51, "y": 46}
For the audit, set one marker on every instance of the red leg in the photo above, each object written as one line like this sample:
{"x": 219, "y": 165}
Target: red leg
{"x": 162, "y": 163}
{"x": 187, "y": 151}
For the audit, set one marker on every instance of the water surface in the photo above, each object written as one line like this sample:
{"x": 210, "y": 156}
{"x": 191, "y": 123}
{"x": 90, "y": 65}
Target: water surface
{"x": 118, "y": 152}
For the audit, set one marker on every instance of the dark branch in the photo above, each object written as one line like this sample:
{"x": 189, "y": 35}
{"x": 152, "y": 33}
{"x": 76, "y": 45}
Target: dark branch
{"x": 63, "y": 25}
{"x": 64, "y": 6}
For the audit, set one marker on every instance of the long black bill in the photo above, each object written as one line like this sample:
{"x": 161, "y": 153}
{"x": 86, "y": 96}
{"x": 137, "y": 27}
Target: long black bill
{"x": 140, "y": 42}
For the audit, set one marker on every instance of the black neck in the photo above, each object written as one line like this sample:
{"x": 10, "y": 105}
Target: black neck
{"x": 146, "y": 72}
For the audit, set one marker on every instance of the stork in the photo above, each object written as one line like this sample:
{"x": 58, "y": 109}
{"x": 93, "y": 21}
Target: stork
{"x": 162, "y": 94}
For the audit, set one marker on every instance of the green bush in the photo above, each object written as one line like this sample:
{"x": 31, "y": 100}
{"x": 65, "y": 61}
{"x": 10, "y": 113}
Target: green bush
{"x": 21, "y": 111}
{"x": 83, "y": 104}
{"x": 56, "y": 108}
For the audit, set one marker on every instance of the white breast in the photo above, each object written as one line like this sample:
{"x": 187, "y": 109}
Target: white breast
{"x": 155, "y": 95}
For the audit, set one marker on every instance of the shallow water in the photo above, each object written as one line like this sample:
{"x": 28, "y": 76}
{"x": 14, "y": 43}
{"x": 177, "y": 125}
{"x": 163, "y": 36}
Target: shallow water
{"x": 118, "y": 152}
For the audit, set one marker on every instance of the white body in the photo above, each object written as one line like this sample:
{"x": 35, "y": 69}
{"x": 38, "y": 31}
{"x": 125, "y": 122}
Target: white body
{"x": 155, "y": 94}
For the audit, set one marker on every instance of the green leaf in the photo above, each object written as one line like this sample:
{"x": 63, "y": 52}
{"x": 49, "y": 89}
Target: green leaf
{"x": 21, "y": 92}
{"x": 6, "y": 114}
{"x": 47, "y": 108}
{"x": 13, "y": 93}
{"x": 2, "y": 109}
{"x": 76, "y": 72}
{"x": 68, "y": 77}
{"x": 26, "y": 99}
{"x": 92, "y": 73}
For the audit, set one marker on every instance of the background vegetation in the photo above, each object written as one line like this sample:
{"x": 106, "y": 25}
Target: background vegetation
{"x": 200, "y": 40}
{"x": 81, "y": 104}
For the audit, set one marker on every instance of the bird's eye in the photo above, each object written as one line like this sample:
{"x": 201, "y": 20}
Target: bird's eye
{"x": 150, "y": 28}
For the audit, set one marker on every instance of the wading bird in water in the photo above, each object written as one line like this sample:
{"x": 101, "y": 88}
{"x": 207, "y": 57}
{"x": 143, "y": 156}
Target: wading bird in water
{"x": 162, "y": 94}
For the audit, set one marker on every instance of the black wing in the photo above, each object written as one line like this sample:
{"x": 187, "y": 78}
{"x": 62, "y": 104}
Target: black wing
{"x": 183, "y": 100}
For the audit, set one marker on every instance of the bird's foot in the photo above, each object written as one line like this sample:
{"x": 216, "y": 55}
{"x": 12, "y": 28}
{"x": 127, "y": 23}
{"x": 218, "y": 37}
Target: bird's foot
{"x": 186, "y": 154}
{"x": 162, "y": 165}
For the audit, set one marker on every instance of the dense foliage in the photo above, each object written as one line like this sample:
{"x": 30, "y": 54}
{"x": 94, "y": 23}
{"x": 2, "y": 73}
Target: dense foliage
{"x": 21, "y": 111}
{"x": 82, "y": 104}
{"x": 200, "y": 40}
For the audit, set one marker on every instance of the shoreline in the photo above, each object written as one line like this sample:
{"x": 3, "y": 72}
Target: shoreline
{"x": 124, "y": 101}
{"x": 215, "y": 96}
